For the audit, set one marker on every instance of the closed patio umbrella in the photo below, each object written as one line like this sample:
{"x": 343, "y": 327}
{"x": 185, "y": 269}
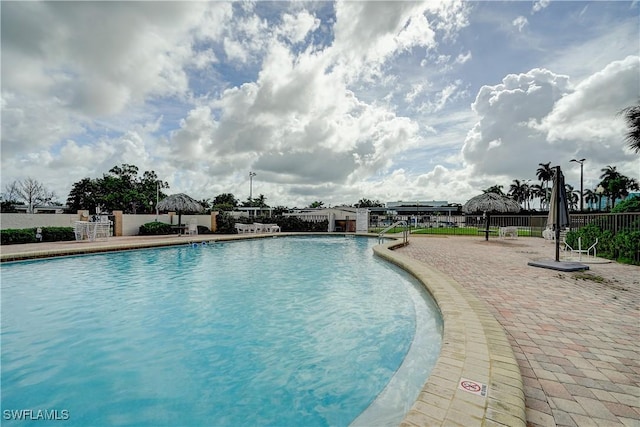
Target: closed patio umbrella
{"x": 180, "y": 203}
{"x": 488, "y": 203}
{"x": 559, "y": 208}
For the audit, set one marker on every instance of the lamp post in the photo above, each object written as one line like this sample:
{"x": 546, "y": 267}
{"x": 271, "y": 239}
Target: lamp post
{"x": 599, "y": 192}
{"x": 251, "y": 175}
{"x": 157, "y": 197}
{"x": 581, "y": 161}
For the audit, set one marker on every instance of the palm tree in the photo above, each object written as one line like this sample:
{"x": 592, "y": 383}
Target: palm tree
{"x": 572, "y": 197}
{"x": 538, "y": 191}
{"x": 497, "y": 189}
{"x": 632, "y": 117}
{"x": 520, "y": 192}
{"x": 545, "y": 174}
{"x": 609, "y": 175}
{"x": 591, "y": 197}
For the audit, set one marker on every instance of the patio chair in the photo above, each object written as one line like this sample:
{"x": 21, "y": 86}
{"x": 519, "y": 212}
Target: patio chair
{"x": 193, "y": 228}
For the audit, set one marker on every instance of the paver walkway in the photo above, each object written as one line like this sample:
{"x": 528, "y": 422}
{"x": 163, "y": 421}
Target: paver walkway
{"x": 576, "y": 335}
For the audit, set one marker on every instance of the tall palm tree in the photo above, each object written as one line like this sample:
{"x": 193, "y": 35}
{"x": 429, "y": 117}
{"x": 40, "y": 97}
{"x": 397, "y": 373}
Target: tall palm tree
{"x": 609, "y": 177}
{"x": 632, "y": 117}
{"x": 572, "y": 197}
{"x": 519, "y": 190}
{"x": 544, "y": 173}
{"x": 538, "y": 191}
{"x": 591, "y": 197}
{"x": 497, "y": 189}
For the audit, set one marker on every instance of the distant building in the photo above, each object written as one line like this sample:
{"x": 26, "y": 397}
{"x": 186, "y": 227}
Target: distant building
{"x": 41, "y": 209}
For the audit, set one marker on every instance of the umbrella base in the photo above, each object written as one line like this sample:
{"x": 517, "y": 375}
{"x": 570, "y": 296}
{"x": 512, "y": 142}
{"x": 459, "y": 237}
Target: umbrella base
{"x": 559, "y": 265}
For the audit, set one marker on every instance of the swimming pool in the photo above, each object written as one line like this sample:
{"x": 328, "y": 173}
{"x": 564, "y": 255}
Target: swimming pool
{"x": 289, "y": 331}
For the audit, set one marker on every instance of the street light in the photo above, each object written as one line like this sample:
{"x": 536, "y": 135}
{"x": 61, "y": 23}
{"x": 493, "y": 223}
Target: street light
{"x": 251, "y": 175}
{"x": 581, "y": 161}
{"x": 599, "y": 192}
{"x": 157, "y": 197}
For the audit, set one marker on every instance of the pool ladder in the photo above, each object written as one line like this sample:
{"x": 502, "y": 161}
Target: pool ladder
{"x": 405, "y": 231}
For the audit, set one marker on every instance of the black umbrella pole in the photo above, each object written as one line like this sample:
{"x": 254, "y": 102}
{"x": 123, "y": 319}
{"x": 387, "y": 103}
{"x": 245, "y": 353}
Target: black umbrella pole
{"x": 486, "y": 233}
{"x": 558, "y": 183}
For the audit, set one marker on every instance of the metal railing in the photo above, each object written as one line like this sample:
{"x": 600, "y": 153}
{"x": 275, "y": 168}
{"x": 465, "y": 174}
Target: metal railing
{"x": 531, "y": 225}
{"x": 405, "y": 231}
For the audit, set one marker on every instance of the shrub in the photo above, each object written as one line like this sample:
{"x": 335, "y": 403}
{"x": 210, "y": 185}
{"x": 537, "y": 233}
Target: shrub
{"x": 28, "y": 235}
{"x": 631, "y": 204}
{"x": 225, "y": 223}
{"x": 154, "y": 229}
{"x": 57, "y": 234}
{"x": 623, "y": 246}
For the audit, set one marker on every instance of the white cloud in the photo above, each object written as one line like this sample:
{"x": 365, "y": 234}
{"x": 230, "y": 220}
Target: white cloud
{"x": 539, "y": 5}
{"x": 588, "y": 114}
{"x": 330, "y": 102}
{"x": 295, "y": 28}
{"x": 520, "y": 22}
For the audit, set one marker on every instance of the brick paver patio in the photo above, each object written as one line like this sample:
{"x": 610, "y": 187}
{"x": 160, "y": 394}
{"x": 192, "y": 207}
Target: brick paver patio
{"x": 576, "y": 336}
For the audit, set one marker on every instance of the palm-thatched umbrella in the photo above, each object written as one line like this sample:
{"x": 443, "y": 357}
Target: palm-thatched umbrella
{"x": 179, "y": 203}
{"x": 489, "y": 203}
{"x": 559, "y": 208}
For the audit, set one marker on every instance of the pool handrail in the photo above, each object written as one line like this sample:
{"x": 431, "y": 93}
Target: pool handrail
{"x": 405, "y": 231}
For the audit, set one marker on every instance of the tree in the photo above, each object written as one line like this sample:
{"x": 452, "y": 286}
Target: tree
{"x": 83, "y": 194}
{"x": 545, "y": 174}
{"x": 520, "y": 192}
{"x": 120, "y": 189}
{"x": 539, "y": 191}
{"x": 572, "y": 197}
{"x": 256, "y": 202}
{"x": 497, "y": 189}
{"x": 316, "y": 204}
{"x": 366, "y": 203}
{"x": 616, "y": 186}
{"x": 591, "y": 197}
{"x": 31, "y": 192}
{"x": 632, "y": 117}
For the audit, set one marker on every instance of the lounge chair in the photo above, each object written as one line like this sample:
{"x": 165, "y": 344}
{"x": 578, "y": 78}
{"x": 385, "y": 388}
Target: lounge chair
{"x": 508, "y": 231}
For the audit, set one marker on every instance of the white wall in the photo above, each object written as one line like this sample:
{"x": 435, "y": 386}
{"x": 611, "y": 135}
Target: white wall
{"x": 130, "y": 223}
{"x": 21, "y": 220}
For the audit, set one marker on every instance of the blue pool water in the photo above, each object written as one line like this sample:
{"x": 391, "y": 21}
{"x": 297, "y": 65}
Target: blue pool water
{"x": 290, "y": 331}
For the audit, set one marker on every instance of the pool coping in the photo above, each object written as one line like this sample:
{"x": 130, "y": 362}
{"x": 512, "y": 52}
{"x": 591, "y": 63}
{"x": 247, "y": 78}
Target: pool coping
{"x": 474, "y": 347}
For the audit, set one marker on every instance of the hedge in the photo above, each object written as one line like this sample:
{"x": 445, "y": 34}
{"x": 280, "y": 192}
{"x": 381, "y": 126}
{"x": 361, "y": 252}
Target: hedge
{"x": 623, "y": 246}
{"x": 28, "y": 235}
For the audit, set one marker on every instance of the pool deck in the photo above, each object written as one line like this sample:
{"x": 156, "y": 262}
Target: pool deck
{"x": 575, "y": 336}
{"x": 552, "y": 348}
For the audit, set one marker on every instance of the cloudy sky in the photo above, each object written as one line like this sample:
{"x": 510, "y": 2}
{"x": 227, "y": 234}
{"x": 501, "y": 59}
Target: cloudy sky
{"x": 323, "y": 101}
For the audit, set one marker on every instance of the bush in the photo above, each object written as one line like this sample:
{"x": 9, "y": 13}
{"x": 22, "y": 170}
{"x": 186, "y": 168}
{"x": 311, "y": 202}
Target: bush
{"x": 154, "y": 229}
{"x": 623, "y": 247}
{"x": 631, "y": 204}
{"x": 225, "y": 223}
{"x": 28, "y": 235}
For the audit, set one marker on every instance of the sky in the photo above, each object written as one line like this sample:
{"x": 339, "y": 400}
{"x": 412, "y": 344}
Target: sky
{"x": 323, "y": 101}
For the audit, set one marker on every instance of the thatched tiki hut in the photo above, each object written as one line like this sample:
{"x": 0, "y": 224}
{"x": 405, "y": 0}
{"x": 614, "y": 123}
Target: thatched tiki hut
{"x": 488, "y": 203}
{"x": 180, "y": 203}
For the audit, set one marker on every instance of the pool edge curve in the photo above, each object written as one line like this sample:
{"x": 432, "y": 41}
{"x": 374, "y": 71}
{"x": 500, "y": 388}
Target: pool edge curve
{"x": 474, "y": 347}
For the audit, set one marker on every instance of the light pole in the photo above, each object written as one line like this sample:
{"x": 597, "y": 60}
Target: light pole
{"x": 157, "y": 197}
{"x": 599, "y": 192}
{"x": 251, "y": 175}
{"x": 581, "y": 161}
